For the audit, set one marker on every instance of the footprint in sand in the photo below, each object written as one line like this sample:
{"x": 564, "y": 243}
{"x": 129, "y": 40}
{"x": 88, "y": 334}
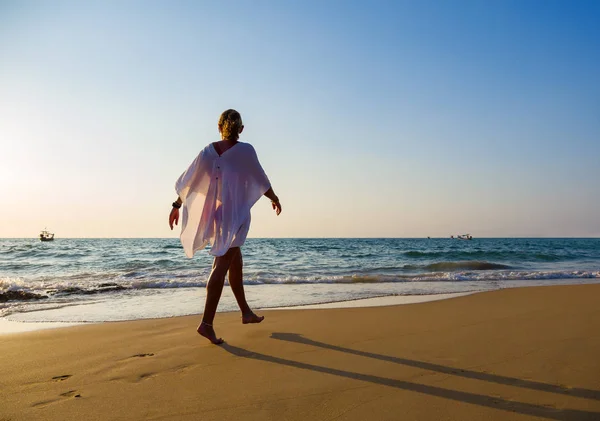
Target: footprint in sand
{"x": 142, "y": 355}
{"x": 71, "y": 393}
{"x": 144, "y": 376}
{"x": 61, "y": 378}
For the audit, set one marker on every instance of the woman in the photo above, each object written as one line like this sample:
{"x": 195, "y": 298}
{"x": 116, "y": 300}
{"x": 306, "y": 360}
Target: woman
{"x": 216, "y": 192}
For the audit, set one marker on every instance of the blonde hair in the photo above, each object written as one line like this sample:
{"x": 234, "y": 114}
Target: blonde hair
{"x": 230, "y": 124}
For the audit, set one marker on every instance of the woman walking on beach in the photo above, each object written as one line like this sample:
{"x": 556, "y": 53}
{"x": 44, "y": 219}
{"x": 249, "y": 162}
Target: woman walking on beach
{"x": 216, "y": 193}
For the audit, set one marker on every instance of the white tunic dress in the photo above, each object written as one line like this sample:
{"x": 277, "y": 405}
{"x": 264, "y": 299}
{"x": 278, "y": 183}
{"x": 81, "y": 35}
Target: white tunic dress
{"x": 217, "y": 194}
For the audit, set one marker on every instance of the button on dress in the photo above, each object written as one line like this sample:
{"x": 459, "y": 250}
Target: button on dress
{"x": 218, "y": 192}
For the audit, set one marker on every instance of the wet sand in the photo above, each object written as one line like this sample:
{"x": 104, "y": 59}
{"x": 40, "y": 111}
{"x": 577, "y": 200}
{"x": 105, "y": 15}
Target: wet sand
{"x": 514, "y": 354}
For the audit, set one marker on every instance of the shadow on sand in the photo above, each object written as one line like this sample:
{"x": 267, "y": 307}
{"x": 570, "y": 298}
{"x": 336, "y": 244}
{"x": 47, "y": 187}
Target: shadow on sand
{"x": 467, "y": 397}
{"x": 478, "y": 375}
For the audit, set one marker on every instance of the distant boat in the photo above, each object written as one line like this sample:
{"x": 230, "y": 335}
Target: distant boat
{"x": 464, "y": 237}
{"x": 46, "y": 236}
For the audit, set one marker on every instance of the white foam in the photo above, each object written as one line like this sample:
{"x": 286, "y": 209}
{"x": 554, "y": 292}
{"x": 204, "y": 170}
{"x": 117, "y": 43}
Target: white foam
{"x": 380, "y": 301}
{"x": 161, "y": 303}
{"x": 8, "y": 326}
{"x": 85, "y": 285}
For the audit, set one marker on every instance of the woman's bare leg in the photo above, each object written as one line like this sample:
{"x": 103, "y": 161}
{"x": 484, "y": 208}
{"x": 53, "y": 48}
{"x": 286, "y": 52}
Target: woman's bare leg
{"x": 236, "y": 281}
{"x": 214, "y": 288}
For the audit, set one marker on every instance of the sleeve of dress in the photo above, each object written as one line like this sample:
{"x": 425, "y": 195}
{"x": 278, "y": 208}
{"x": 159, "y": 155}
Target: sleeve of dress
{"x": 192, "y": 187}
{"x": 258, "y": 182}
{"x": 189, "y": 177}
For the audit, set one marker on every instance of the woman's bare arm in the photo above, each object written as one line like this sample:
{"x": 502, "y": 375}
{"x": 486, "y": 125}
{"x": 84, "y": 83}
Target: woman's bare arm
{"x": 274, "y": 200}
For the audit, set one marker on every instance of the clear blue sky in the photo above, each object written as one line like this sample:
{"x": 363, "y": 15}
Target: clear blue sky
{"x": 372, "y": 119}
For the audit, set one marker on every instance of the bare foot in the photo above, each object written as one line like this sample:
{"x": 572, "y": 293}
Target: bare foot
{"x": 208, "y": 332}
{"x": 251, "y": 318}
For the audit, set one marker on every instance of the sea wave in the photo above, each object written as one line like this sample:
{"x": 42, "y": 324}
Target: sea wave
{"x": 507, "y": 255}
{"x": 454, "y": 266}
{"x": 16, "y": 248}
{"x": 20, "y": 295}
{"x": 14, "y": 289}
{"x": 464, "y": 265}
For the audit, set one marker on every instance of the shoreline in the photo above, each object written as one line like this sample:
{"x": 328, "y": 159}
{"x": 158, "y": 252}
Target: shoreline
{"x": 11, "y": 327}
{"x": 228, "y": 305}
{"x": 384, "y": 300}
{"x": 8, "y": 327}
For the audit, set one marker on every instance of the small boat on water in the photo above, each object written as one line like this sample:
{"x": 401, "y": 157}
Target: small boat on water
{"x": 46, "y": 236}
{"x": 462, "y": 237}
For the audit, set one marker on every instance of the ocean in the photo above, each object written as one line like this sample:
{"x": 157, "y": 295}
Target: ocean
{"x": 95, "y": 280}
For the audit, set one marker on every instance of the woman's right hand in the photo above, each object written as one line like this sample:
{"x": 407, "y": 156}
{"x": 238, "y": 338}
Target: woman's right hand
{"x": 276, "y": 206}
{"x": 173, "y": 217}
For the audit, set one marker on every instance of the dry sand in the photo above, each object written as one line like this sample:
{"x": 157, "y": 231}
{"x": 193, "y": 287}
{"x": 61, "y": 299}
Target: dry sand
{"x": 515, "y": 354}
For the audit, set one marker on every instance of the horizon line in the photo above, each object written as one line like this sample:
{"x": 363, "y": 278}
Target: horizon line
{"x": 308, "y": 238}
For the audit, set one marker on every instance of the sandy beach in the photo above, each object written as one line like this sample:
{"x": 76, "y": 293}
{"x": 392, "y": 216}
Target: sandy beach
{"x": 514, "y": 354}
